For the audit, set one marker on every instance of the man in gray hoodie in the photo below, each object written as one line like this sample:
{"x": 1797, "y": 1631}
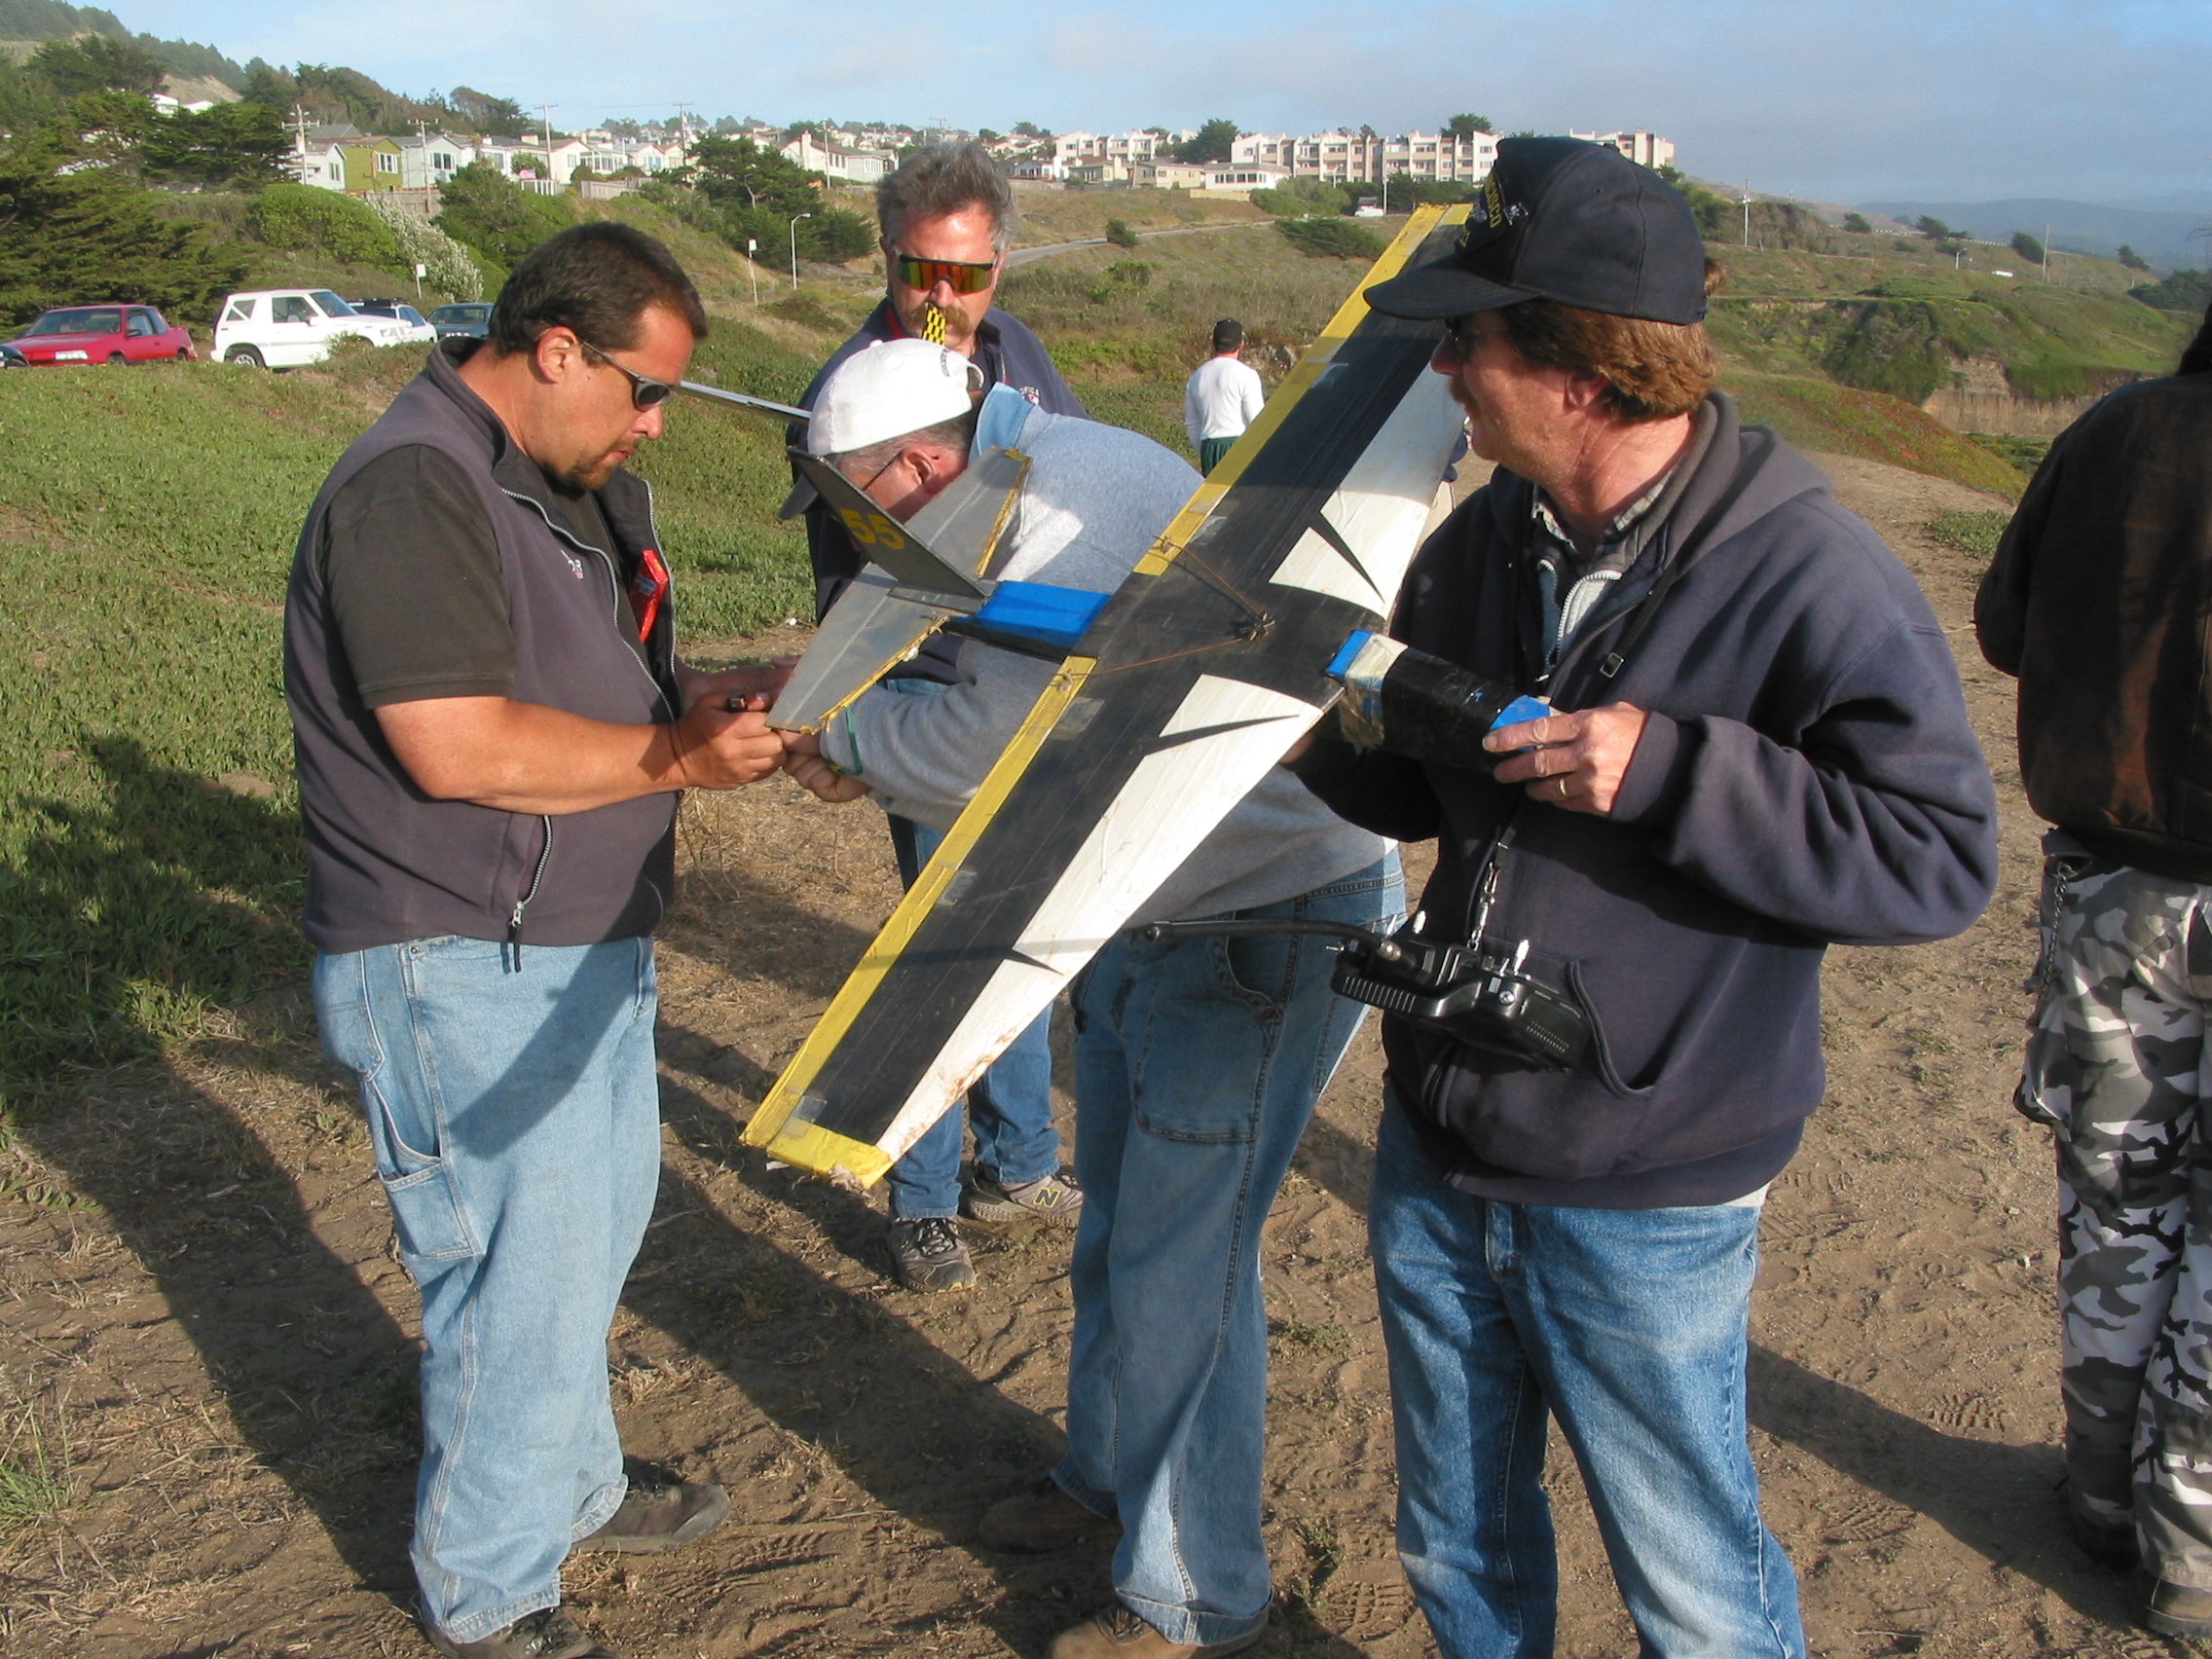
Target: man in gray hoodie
{"x": 1197, "y": 1063}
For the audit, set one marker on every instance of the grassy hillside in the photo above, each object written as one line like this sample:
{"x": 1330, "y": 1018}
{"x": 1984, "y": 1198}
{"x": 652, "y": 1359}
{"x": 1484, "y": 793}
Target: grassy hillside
{"x": 1904, "y": 322}
{"x": 148, "y": 844}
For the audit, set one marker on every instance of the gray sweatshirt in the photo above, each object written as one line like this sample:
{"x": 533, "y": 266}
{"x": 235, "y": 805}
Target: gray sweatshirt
{"x": 1095, "y": 498}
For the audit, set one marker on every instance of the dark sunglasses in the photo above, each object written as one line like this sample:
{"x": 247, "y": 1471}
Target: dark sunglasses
{"x": 1461, "y": 336}
{"x": 965, "y": 278}
{"x": 644, "y": 393}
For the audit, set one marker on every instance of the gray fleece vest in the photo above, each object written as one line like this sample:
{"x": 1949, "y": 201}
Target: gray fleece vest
{"x": 385, "y": 861}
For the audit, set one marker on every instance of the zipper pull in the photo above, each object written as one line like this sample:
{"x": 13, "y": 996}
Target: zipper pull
{"x": 514, "y": 933}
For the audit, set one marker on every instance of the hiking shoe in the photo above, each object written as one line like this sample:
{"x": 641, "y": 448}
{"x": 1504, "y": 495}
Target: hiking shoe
{"x": 659, "y": 1512}
{"x": 547, "y": 1635}
{"x": 1054, "y": 1198}
{"x": 927, "y": 1255}
{"x": 2177, "y": 1609}
{"x": 2103, "y": 1542}
{"x": 1039, "y": 1521}
{"x": 1116, "y": 1633}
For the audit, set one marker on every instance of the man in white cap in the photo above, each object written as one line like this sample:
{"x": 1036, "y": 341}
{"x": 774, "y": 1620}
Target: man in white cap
{"x": 1225, "y": 1043}
{"x": 948, "y": 217}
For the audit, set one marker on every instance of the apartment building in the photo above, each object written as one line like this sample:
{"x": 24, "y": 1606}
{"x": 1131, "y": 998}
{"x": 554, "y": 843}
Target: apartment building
{"x": 1347, "y": 157}
{"x": 1645, "y": 149}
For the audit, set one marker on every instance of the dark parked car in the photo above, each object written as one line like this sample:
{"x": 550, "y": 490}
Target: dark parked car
{"x": 473, "y": 320}
{"x": 97, "y": 334}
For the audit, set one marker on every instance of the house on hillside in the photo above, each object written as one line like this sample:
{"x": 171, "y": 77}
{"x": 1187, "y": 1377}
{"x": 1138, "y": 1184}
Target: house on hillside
{"x": 839, "y": 164}
{"x": 1168, "y": 175}
{"x": 372, "y": 166}
{"x": 1241, "y": 178}
{"x": 432, "y": 159}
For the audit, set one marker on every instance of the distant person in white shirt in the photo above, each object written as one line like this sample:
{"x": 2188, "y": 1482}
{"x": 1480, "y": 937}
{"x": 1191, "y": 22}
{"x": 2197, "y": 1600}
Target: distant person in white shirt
{"x": 1223, "y": 396}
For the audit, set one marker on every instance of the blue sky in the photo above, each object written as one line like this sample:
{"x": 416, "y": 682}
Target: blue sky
{"x": 1849, "y": 100}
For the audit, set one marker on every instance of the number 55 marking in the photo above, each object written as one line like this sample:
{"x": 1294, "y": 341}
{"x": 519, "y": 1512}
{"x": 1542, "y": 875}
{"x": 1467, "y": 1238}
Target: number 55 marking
{"x": 872, "y": 529}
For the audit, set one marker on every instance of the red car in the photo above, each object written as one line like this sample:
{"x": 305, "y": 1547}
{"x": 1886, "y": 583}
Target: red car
{"x": 97, "y": 334}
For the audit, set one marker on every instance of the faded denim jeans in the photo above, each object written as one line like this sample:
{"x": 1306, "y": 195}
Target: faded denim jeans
{"x": 515, "y": 1120}
{"x": 1630, "y": 1326}
{"x": 1198, "y": 1064}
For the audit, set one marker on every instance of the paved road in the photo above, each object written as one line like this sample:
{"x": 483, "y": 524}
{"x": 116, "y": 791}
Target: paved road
{"x": 1024, "y": 255}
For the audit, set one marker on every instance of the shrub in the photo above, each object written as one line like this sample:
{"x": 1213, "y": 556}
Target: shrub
{"x": 2027, "y": 247}
{"x": 1297, "y": 197}
{"x": 1119, "y": 234}
{"x": 1857, "y": 224}
{"x": 489, "y": 212}
{"x": 1331, "y": 239}
{"x": 301, "y": 218}
{"x": 448, "y": 266}
{"x": 2182, "y": 291}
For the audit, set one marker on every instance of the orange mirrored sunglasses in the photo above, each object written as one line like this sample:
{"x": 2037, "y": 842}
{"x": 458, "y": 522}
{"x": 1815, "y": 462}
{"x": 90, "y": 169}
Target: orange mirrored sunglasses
{"x": 925, "y": 273}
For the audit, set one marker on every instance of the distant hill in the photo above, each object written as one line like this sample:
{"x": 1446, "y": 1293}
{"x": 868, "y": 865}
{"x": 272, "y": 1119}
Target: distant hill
{"x": 54, "y": 20}
{"x": 2081, "y": 227}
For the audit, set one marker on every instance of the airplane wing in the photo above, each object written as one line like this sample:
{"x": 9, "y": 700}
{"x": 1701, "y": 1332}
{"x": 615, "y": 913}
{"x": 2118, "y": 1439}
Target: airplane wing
{"x": 875, "y": 625}
{"x": 1199, "y": 672}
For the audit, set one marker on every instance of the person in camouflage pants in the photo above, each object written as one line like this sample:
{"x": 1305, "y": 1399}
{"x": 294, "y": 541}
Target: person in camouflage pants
{"x": 2117, "y": 1064}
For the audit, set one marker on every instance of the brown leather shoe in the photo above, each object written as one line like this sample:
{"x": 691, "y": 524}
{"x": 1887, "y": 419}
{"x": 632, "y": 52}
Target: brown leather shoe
{"x": 1118, "y": 1633}
{"x": 1039, "y": 1521}
{"x": 659, "y": 1512}
{"x": 547, "y": 1635}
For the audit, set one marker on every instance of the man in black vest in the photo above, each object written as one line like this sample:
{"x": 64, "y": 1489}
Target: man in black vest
{"x": 491, "y": 726}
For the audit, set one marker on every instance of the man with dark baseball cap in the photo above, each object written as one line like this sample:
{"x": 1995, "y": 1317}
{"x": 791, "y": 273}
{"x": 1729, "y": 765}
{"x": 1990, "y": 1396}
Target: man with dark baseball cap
{"x": 1758, "y": 747}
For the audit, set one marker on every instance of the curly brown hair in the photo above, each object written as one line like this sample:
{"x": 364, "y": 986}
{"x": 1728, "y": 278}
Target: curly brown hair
{"x": 1653, "y": 371}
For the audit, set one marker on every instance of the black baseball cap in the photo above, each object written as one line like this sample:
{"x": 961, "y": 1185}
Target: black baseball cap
{"x": 1567, "y": 220}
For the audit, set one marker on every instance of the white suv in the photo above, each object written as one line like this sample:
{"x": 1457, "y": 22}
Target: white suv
{"x": 283, "y": 328}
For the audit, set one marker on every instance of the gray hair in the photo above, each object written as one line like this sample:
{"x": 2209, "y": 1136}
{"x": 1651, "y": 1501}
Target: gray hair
{"x": 937, "y": 179}
{"x": 861, "y": 464}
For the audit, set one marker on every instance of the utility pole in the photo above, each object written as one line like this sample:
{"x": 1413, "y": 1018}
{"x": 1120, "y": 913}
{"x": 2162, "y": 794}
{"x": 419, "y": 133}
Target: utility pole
{"x": 682, "y": 130}
{"x": 300, "y": 144}
{"x": 2046, "y": 250}
{"x": 795, "y": 247}
{"x": 1747, "y": 207}
{"x": 752, "y": 265}
{"x": 546, "y": 115}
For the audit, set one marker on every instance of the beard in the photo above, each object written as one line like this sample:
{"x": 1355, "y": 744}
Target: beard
{"x": 583, "y": 475}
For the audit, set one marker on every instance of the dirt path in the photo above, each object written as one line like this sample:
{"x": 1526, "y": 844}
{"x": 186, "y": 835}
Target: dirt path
{"x": 1045, "y": 251}
{"x": 225, "y": 1341}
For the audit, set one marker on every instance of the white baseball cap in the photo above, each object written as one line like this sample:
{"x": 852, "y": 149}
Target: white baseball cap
{"x": 894, "y": 387}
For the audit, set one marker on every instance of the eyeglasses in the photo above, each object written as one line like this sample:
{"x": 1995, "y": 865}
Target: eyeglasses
{"x": 965, "y": 277}
{"x": 644, "y": 393}
{"x": 1461, "y": 335}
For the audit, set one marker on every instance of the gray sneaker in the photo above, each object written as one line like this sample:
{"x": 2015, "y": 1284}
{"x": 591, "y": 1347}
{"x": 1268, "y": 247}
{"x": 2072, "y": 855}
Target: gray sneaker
{"x": 927, "y": 1255}
{"x": 547, "y": 1635}
{"x": 1055, "y": 1199}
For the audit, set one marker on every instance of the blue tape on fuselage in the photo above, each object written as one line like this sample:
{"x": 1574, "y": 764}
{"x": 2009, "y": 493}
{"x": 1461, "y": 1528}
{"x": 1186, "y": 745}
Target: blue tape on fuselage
{"x": 1038, "y": 610}
{"x": 1519, "y": 709}
{"x": 1341, "y": 664}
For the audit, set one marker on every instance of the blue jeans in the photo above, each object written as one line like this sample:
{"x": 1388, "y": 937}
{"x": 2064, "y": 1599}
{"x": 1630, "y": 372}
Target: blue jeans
{"x": 516, "y": 1124}
{"x": 1198, "y": 1064}
{"x": 1629, "y": 1325}
{"x": 1009, "y": 1107}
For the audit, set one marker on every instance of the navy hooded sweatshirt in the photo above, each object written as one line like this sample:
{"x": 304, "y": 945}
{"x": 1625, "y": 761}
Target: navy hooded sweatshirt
{"x": 1807, "y": 777}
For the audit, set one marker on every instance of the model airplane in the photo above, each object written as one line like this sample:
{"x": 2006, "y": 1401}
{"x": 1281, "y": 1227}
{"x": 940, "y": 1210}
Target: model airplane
{"x": 1170, "y": 704}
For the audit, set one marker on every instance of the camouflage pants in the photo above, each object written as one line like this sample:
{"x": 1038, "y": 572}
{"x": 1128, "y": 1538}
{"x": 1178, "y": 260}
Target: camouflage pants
{"x": 2118, "y": 1065}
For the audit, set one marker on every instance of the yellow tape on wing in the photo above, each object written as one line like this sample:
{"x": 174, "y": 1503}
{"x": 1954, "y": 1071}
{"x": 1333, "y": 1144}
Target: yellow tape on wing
{"x": 804, "y": 1144}
{"x": 1311, "y": 367}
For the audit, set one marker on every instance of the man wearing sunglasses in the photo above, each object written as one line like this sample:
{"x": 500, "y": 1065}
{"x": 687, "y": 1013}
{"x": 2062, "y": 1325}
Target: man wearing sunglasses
{"x": 490, "y": 725}
{"x": 948, "y": 216}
